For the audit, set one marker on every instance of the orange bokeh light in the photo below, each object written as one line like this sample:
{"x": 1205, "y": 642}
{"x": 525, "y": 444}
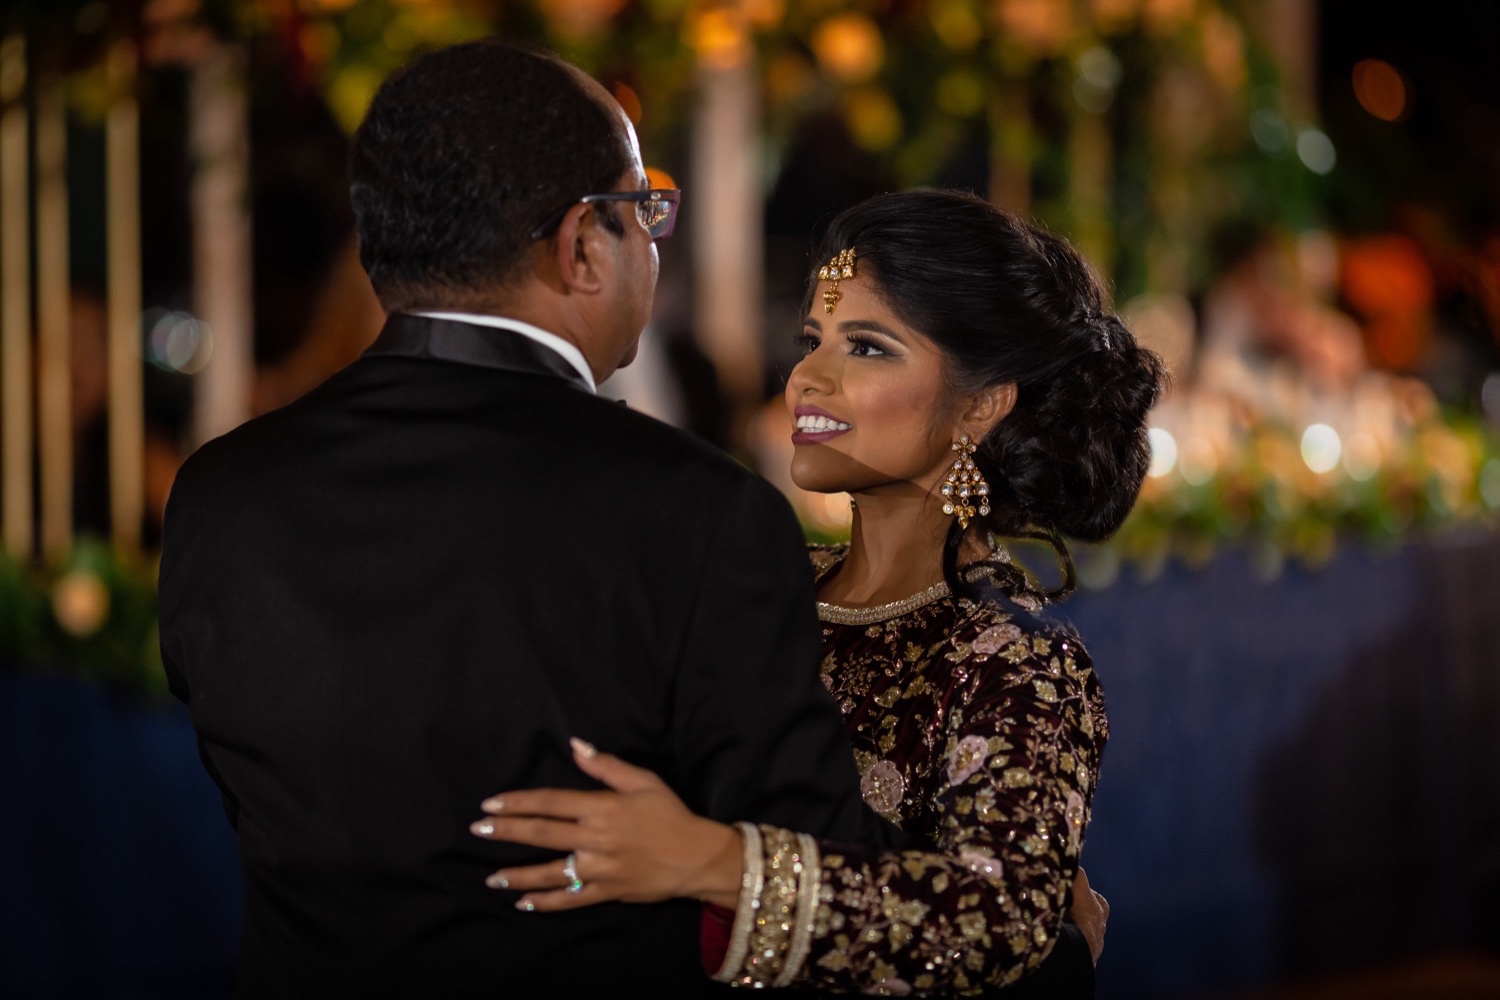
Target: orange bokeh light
{"x": 629, "y": 101}
{"x": 720, "y": 38}
{"x": 1381, "y": 90}
{"x": 849, "y": 47}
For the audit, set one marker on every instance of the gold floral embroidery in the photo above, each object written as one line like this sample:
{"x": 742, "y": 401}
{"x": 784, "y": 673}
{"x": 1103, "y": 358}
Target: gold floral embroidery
{"x": 883, "y": 787}
{"x": 981, "y": 734}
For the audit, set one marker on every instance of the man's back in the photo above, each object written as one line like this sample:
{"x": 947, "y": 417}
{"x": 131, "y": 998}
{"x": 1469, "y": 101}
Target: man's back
{"x": 406, "y": 591}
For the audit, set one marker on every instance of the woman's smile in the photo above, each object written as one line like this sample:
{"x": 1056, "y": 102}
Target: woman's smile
{"x": 814, "y": 426}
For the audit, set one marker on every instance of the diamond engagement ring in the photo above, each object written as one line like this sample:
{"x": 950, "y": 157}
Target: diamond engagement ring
{"x": 570, "y": 872}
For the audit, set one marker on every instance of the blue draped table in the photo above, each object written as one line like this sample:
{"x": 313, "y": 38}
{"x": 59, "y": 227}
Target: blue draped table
{"x": 1301, "y": 779}
{"x": 1302, "y": 773}
{"x": 119, "y": 876}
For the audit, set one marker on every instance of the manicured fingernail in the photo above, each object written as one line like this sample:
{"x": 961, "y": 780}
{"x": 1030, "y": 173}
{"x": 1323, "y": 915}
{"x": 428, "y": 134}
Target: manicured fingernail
{"x": 493, "y": 805}
{"x": 583, "y": 747}
{"x": 481, "y": 828}
{"x": 526, "y": 905}
{"x": 497, "y": 881}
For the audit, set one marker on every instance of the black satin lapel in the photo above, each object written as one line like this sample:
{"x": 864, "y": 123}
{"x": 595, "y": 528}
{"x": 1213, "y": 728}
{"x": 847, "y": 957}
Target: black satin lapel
{"x": 470, "y": 344}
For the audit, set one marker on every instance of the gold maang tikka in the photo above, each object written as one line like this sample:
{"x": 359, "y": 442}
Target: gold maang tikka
{"x": 842, "y": 266}
{"x": 965, "y": 493}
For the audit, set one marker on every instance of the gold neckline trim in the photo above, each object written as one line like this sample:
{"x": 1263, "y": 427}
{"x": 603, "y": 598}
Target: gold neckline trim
{"x": 841, "y": 615}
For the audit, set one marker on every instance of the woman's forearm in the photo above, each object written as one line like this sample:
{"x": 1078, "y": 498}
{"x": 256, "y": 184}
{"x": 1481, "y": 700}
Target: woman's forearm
{"x": 718, "y": 879}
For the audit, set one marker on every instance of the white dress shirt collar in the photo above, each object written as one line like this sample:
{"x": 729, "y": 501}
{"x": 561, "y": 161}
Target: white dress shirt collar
{"x": 570, "y": 353}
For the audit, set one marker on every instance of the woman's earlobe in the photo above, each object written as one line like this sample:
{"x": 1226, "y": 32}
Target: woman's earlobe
{"x": 991, "y": 406}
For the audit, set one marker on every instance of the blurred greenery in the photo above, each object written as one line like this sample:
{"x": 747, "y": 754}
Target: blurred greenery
{"x": 1147, "y": 132}
{"x": 92, "y": 615}
{"x": 1137, "y": 129}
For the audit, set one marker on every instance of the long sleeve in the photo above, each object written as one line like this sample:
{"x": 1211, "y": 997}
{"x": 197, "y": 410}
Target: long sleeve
{"x": 1003, "y": 803}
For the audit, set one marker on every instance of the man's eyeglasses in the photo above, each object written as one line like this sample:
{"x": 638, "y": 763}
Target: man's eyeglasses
{"x": 656, "y": 209}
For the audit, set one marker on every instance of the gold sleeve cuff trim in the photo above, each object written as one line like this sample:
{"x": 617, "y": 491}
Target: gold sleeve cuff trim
{"x": 771, "y": 924}
{"x": 751, "y": 880}
{"x": 809, "y": 881}
{"x": 772, "y": 936}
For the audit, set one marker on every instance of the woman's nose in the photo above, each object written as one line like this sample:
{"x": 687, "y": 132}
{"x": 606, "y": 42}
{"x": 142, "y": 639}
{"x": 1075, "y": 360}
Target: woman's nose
{"x": 811, "y": 375}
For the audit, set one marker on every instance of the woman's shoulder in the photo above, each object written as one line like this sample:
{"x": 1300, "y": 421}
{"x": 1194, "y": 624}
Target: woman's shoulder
{"x": 1039, "y": 658}
{"x": 987, "y": 627}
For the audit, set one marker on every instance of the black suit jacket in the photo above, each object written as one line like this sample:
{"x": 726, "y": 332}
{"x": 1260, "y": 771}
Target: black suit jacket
{"x": 405, "y": 591}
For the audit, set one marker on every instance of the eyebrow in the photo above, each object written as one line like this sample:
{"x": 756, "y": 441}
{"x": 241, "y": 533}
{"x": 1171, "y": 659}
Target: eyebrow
{"x": 855, "y": 325}
{"x": 874, "y": 326}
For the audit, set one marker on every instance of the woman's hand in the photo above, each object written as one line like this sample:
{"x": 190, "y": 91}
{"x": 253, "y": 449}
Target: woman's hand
{"x": 637, "y": 843}
{"x": 1090, "y": 911}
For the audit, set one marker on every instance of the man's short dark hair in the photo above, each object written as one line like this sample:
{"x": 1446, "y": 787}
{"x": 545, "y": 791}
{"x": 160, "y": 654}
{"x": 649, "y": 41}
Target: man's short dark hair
{"x": 462, "y": 154}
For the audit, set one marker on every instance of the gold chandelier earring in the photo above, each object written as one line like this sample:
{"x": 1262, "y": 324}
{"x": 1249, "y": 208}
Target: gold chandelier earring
{"x": 965, "y": 493}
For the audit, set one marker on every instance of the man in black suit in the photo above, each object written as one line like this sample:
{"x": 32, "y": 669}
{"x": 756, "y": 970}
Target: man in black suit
{"x": 412, "y": 586}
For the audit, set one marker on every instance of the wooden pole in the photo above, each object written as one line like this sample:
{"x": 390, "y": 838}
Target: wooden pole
{"x": 123, "y": 231}
{"x": 1291, "y": 33}
{"x": 53, "y": 291}
{"x": 1010, "y": 148}
{"x": 220, "y": 137}
{"x": 15, "y": 301}
{"x": 1091, "y": 160}
{"x": 728, "y": 229}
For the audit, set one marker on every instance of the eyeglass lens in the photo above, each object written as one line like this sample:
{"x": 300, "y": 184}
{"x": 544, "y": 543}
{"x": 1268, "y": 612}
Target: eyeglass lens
{"x": 655, "y": 214}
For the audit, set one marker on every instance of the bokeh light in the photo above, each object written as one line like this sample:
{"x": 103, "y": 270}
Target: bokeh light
{"x": 1489, "y": 484}
{"x": 720, "y": 38}
{"x": 849, "y": 47}
{"x": 1382, "y": 90}
{"x": 1099, "y": 72}
{"x": 1315, "y": 150}
{"x": 659, "y": 178}
{"x": 80, "y": 602}
{"x": 177, "y": 341}
{"x": 874, "y": 119}
{"x": 1163, "y": 453}
{"x": 1489, "y": 397}
{"x": 956, "y": 25}
{"x": 1321, "y": 447}
{"x": 629, "y": 100}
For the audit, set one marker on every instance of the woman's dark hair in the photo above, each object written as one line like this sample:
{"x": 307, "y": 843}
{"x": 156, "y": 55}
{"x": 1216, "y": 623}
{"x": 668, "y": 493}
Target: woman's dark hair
{"x": 462, "y": 154}
{"x": 1008, "y": 302}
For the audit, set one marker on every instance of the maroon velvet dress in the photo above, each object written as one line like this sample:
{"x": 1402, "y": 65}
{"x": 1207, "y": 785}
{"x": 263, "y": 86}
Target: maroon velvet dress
{"x": 979, "y": 732}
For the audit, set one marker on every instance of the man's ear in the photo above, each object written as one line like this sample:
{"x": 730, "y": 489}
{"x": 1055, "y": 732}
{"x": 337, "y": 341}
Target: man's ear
{"x": 580, "y": 252}
{"x": 988, "y": 408}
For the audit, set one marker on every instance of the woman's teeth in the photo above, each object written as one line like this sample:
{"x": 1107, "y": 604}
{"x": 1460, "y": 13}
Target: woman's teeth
{"x": 816, "y": 424}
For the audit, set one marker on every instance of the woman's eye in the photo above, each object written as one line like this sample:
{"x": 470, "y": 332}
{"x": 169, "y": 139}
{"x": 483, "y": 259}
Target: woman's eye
{"x": 807, "y": 342}
{"x": 864, "y": 348}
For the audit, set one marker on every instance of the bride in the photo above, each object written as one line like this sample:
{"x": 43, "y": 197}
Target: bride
{"x": 964, "y": 383}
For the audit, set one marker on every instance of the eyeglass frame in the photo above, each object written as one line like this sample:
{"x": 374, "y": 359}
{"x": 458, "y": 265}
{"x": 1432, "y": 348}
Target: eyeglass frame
{"x": 671, "y": 196}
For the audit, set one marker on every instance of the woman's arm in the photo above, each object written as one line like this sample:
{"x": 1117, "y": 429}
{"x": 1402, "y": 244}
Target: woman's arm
{"x": 1009, "y": 802}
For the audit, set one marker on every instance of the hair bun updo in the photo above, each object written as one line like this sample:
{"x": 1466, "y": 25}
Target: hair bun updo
{"x": 1072, "y": 454}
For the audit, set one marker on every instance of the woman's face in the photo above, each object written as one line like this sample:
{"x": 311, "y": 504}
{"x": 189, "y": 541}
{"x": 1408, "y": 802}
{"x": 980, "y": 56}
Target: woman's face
{"x": 869, "y": 401}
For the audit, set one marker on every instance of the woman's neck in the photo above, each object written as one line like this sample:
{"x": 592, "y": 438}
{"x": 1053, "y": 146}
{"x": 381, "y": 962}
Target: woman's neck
{"x": 895, "y": 549}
